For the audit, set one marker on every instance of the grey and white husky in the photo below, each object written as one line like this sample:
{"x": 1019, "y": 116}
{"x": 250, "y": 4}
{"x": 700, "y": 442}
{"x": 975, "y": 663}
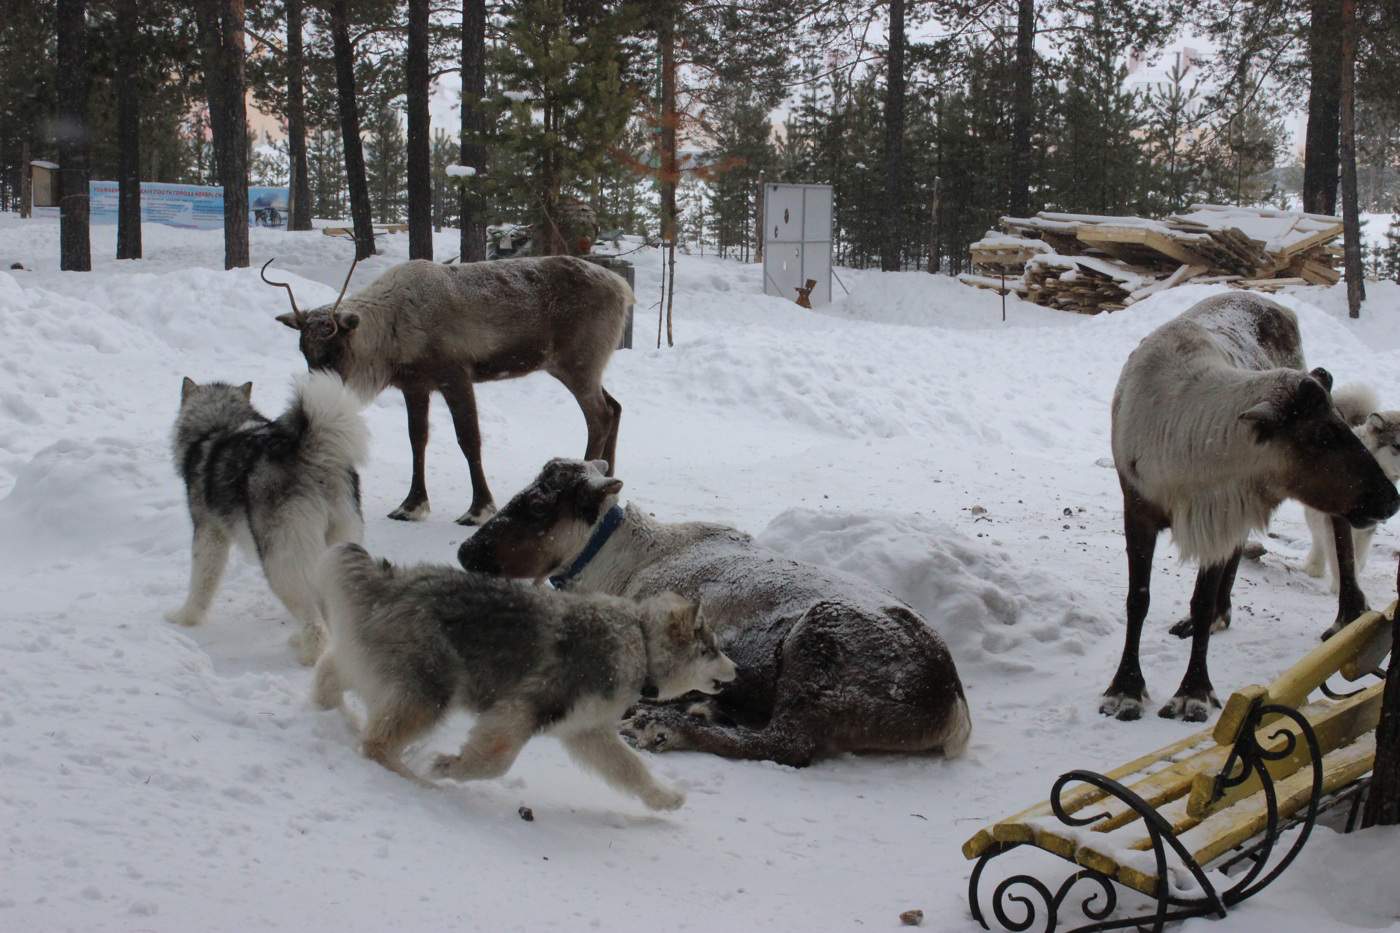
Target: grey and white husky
{"x": 285, "y": 490}
{"x": 417, "y": 641}
{"x": 1380, "y": 432}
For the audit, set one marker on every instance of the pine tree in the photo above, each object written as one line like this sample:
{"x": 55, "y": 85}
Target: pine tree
{"x": 325, "y": 169}
{"x": 386, "y": 150}
{"x": 1390, "y": 253}
{"x": 1172, "y": 134}
{"x": 742, "y": 153}
{"x": 561, "y": 65}
{"x": 1099, "y": 164}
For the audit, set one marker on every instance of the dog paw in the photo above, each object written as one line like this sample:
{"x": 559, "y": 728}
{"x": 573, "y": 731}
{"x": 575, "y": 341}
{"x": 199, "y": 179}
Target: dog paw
{"x": 446, "y": 766}
{"x": 185, "y": 617}
{"x": 308, "y": 643}
{"x": 1122, "y": 707}
{"x": 664, "y": 798}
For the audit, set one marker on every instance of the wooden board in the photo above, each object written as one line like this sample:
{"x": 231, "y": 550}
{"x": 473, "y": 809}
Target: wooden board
{"x": 1108, "y": 235}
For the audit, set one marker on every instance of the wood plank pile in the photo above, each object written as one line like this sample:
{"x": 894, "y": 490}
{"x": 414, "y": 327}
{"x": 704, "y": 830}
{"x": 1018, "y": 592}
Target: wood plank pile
{"x": 1090, "y": 263}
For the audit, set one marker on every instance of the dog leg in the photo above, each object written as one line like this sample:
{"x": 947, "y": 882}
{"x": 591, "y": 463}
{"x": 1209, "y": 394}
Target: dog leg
{"x": 492, "y": 746}
{"x": 327, "y": 691}
{"x": 392, "y": 726}
{"x": 603, "y": 752}
{"x": 289, "y": 569}
{"x": 1319, "y": 553}
{"x": 208, "y": 558}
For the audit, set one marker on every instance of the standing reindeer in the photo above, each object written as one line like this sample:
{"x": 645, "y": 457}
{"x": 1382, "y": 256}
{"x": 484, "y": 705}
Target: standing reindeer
{"x": 424, "y": 327}
{"x": 1215, "y": 422}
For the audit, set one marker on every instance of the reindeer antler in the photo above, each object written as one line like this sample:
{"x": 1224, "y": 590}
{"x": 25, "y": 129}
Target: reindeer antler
{"x": 335, "y": 322}
{"x": 346, "y": 285}
{"x": 296, "y": 312}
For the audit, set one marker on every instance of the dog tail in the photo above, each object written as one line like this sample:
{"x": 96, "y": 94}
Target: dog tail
{"x": 1355, "y": 401}
{"x": 325, "y": 418}
{"x": 959, "y": 730}
{"x": 351, "y": 582}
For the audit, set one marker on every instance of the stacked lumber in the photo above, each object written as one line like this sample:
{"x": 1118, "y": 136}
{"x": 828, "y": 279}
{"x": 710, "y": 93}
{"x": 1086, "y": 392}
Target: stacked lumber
{"x": 1089, "y": 263}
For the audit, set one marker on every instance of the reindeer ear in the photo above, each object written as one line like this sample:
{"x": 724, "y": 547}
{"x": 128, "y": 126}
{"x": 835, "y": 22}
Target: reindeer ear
{"x": 186, "y": 387}
{"x": 1312, "y": 394}
{"x": 247, "y": 390}
{"x": 1322, "y": 376}
{"x": 1266, "y": 418}
{"x": 290, "y": 320}
{"x": 348, "y": 321}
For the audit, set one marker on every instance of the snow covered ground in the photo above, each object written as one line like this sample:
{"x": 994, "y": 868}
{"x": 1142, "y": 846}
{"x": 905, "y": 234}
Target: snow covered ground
{"x": 157, "y": 778}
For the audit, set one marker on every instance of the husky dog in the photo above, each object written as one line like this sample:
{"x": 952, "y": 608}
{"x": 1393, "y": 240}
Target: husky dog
{"x": 1380, "y": 432}
{"x": 285, "y": 489}
{"x": 827, "y": 664}
{"x": 415, "y": 642}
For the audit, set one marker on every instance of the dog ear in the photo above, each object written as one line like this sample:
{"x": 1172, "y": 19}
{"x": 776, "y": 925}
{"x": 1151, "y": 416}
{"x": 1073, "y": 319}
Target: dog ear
{"x": 186, "y": 387}
{"x": 682, "y": 615}
{"x": 247, "y": 390}
{"x": 1375, "y": 421}
{"x": 290, "y": 320}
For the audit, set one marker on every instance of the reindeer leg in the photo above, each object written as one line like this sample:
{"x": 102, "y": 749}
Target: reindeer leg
{"x": 1351, "y": 601}
{"x": 1127, "y": 692}
{"x": 461, "y": 401}
{"x": 1196, "y": 696}
{"x": 415, "y": 504}
{"x": 610, "y": 445}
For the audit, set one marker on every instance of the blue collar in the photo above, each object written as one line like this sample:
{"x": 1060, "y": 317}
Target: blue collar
{"x": 601, "y": 534}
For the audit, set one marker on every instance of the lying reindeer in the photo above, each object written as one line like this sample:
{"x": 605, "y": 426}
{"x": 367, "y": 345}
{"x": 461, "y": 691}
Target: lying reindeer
{"x": 827, "y": 664}
{"x": 423, "y": 327}
{"x": 1214, "y": 424}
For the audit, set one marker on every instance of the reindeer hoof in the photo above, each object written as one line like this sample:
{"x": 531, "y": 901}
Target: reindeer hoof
{"x": 645, "y": 733}
{"x": 1189, "y": 709}
{"x": 1122, "y": 707}
{"x": 478, "y": 515}
{"x": 411, "y": 513}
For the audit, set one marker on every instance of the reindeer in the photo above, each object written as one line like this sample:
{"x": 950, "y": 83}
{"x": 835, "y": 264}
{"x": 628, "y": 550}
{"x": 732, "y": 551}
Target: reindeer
{"x": 423, "y": 327}
{"x": 1214, "y": 424}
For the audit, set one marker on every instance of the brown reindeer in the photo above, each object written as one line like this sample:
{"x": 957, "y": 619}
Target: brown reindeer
{"x": 423, "y": 327}
{"x": 1214, "y": 424}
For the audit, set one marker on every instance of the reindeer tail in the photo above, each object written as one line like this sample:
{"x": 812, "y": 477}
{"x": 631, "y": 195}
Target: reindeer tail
{"x": 959, "y": 730}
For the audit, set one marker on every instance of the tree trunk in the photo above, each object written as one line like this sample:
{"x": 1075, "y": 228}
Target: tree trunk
{"x": 1320, "y": 157}
{"x": 1023, "y": 111}
{"x": 1351, "y": 217}
{"x": 300, "y": 183}
{"x": 72, "y": 132}
{"x": 669, "y": 176}
{"x": 473, "y": 127}
{"x": 892, "y": 248}
{"x": 230, "y": 125}
{"x": 26, "y": 181}
{"x": 361, "y": 216}
{"x": 420, "y": 143}
{"x": 128, "y": 133}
